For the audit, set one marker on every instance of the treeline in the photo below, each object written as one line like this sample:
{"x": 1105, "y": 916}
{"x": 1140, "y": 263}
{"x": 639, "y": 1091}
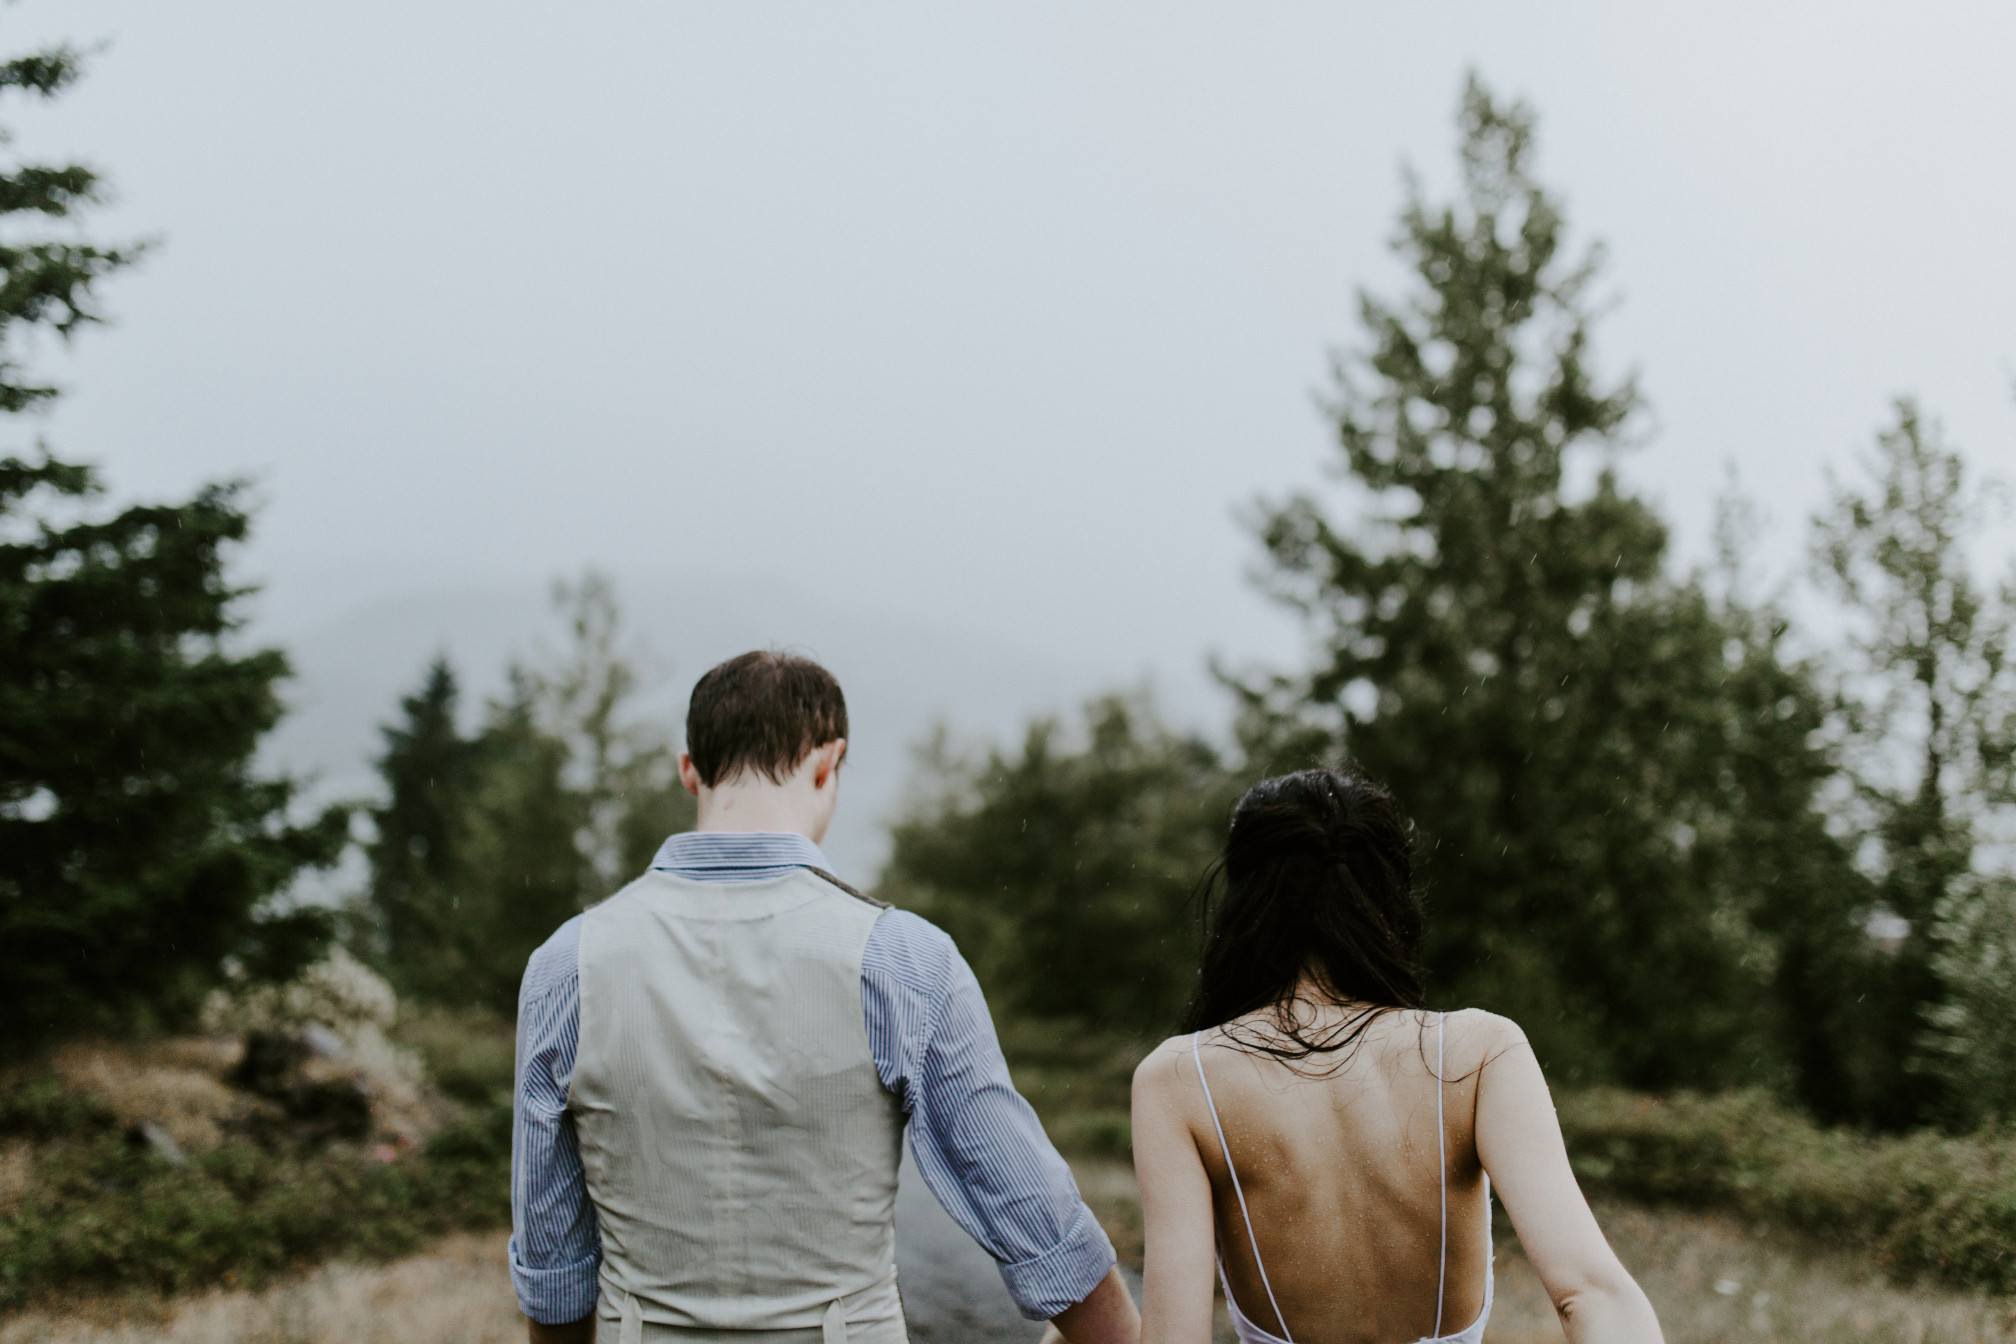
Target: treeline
{"x": 1680, "y": 839}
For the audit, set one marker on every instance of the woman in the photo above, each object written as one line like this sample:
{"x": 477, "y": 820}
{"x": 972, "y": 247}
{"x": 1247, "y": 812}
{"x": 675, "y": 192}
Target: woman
{"x": 1332, "y": 1144}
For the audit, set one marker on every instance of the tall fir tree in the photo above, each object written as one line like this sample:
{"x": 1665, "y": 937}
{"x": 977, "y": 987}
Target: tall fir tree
{"x": 1066, "y": 872}
{"x": 419, "y": 831}
{"x": 50, "y": 281}
{"x": 140, "y": 850}
{"x": 486, "y": 843}
{"x": 1598, "y": 756}
{"x": 1929, "y": 710}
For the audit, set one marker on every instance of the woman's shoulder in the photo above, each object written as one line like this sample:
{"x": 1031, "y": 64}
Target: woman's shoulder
{"x": 1158, "y": 1068}
{"x": 1477, "y": 1036}
{"x": 1480, "y": 1023}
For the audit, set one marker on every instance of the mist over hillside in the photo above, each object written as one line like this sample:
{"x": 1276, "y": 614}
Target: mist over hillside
{"x": 901, "y": 676}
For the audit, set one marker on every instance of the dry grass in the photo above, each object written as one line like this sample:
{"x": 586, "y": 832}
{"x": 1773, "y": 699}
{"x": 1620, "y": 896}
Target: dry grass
{"x": 17, "y": 1172}
{"x": 1711, "y": 1279}
{"x": 177, "y": 1084}
{"x": 457, "y": 1293}
{"x": 183, "y": 1085}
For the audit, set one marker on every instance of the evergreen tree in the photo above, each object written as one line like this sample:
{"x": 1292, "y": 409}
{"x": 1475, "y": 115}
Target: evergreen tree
{"x": 430, "y": 771}
{"x": 1972, "y": 1047}
{"x": 50, "y": 281}
{"x": 1067, "y": 876}
{"x": 1930, "y": 710}
{"x": 486, "y": 844}
{"x": 1612, "y": 772}
{"x": 139, "y": 849}
{"x": 625, "y": 771}
{"x": 522, "y": 871}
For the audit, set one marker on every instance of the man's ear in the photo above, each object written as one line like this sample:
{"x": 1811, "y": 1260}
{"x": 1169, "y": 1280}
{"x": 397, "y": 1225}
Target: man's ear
{"x": 689, "y": 776}
{"x": 826, "y": 761}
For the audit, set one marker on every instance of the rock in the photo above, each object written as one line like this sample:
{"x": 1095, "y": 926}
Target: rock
{"x": 339, "y": 1108}
{"x": 325, "y": 1043}
{"x": 320, "y": 1102}
{"x": 271, "y": 1062}
{"x": 149, "y": 1135}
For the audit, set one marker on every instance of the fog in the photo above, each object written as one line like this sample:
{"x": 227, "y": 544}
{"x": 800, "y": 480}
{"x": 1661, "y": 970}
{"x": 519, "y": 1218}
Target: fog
{"x": 952, "y": 342}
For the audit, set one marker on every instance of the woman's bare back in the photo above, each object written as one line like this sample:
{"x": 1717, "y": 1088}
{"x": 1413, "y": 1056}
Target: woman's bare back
{"x": 1343, "y": 1175}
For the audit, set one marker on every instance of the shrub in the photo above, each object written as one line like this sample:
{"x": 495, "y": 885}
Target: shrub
{"x": 40, "y": 1107}
{"x": 109, "y": 1213}
{"x": 1926, "y": 1204}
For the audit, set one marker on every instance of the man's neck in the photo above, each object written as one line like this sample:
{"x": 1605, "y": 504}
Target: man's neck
{"x": 759, "y": 809}
{"x": 753, "y": 800}
{"x": 750, "y": 826}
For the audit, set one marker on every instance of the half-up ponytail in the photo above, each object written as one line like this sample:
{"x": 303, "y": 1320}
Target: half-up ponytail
{"x": 1318, "y": 879}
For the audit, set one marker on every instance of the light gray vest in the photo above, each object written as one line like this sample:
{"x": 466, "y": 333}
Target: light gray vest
{"x": 740, "y": 1149}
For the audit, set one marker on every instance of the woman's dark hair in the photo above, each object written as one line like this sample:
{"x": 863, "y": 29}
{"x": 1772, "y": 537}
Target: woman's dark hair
{"x": 1318, "y": 877}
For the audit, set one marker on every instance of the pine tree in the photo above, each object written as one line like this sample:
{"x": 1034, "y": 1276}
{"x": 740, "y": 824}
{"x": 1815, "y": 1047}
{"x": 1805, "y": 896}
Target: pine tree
{"x": 139, "y": 848}
{"x": 430, "y": 774}
{"x": 523, "y": 870}
{"x": 486, "y": 844}
{"x": 50, "y": 281}
{"x": 1930, "y": 712}
{"x": 1067, "y": 875}
{"x": 1597, "y": 755}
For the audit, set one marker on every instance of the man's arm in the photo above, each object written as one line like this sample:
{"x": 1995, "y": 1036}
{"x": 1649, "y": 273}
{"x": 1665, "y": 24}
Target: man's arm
{"x": 574, "y": 1332}
{"x": 978, "y": 1144}
{"x": 556, "y": 1245}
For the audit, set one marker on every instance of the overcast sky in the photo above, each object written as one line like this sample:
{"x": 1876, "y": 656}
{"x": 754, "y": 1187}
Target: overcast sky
{"x": 987, "y": 316}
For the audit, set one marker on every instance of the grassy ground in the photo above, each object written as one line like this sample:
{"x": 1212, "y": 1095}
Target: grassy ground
{"x": 1711, "y": 1280}
{"x": 85, "y": 1207}
{"x": 457, "y": 1292}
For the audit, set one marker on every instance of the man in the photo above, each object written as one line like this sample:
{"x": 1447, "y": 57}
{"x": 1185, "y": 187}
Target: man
{"x": 716, "y": 1066}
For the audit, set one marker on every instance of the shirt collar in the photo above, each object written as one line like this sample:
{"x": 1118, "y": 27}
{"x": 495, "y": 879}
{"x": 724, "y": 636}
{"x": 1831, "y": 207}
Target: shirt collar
{"x": 737, "y": 856}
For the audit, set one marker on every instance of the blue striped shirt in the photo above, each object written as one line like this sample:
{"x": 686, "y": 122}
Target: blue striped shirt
{"x": 979, "y": 1146}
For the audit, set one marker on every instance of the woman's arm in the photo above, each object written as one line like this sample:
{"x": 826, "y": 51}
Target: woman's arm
{"x": 1519, "y": 1143}
{"x": 1177, "y": 1275}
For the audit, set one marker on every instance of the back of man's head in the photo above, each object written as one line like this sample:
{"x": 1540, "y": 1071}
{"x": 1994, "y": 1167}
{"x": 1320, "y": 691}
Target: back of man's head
{"x": 764, "y": 712}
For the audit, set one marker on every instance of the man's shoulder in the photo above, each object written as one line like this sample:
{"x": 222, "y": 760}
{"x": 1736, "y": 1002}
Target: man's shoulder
{"x": 910, "y": 948}
{"x": 555, "y": 966}
{"x": 836, "y": 883}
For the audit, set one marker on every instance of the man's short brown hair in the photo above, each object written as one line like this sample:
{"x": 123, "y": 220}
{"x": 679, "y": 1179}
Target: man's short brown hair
{"x": 764, "y": 711}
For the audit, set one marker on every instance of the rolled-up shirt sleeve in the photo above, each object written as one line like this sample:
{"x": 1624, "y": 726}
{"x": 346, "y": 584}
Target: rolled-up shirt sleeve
{"x": 978, "y": 1144}
{"x": 556, "y": 1244}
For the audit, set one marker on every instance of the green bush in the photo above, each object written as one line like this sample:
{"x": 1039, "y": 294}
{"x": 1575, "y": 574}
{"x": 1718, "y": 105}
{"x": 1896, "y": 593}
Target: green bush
{"x": 1926, "y": 1204}
{"x": 40, "y": 1107}
{"x": 1079, "y": 1081}
{"x": 110, "y": 1213}
{"x": 470, "y": 1053}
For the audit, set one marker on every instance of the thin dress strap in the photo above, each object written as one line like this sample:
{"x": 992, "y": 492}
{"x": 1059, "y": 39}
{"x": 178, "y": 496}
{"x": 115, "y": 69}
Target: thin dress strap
{"x": 1233, "y": 1171}
{"x": 1442, "y": 1152}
